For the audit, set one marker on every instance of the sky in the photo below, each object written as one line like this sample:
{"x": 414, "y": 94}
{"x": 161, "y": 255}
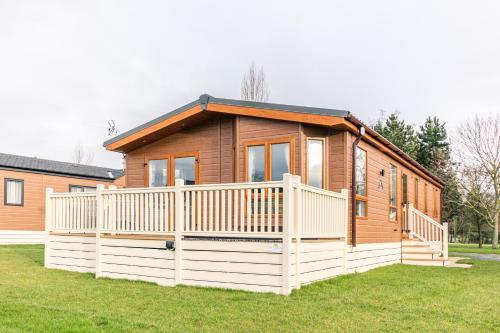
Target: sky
{"x": 68, "y": 67}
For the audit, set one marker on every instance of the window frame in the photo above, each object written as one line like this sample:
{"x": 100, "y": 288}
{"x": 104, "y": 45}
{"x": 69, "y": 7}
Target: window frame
{"x": 80, "y": 186}
{"x": 171, "y": 165}
{"x": 415, "y": 195}
{"x": 396, "y": 194}
{"x": 267, "y": 155}
{"x": 360, "y": 197}
{"x": 426, "y": 197}
{"x": 324, "y": 166}
{"x": 6, "y": 180}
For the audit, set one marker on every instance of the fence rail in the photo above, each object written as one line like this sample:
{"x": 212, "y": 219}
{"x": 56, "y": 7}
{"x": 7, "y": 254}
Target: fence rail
{"x": 236, "y": 209}
{"x": 427, "y": 229}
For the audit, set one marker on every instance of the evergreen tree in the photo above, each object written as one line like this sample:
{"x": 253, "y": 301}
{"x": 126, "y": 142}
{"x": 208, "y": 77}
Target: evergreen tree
{"x": 433, "y": 146}
{"x": 402, "y": 135}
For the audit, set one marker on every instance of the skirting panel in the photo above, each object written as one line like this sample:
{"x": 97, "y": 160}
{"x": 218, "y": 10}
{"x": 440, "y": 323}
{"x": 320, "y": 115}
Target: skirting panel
{"x": 245, "y": 265}
{"x": 318, "y": 260}
{"x": 71, "y": 253}
{"x": 21, "y": 237}
{"x": 367, "y": 256}
{"x": 144, "y": 260}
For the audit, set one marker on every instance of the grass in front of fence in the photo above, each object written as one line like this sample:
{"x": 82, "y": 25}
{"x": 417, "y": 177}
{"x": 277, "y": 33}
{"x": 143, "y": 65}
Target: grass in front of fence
{"x": 394, "y": 298}
{"x": 472, "y": 248}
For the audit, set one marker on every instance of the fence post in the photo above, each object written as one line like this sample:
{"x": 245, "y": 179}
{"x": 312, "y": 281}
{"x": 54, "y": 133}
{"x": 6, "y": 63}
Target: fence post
{"x": 445, "y": 240}
{"x": 179, "y": 228}
{"x": 298, "y": 227}
{"x": 287, "y": 224}
{"x": 98, "y": 227}
{"x": 345, "y": 222}
{"x": 410, "y": 221}
{"x": 48, "y": 225}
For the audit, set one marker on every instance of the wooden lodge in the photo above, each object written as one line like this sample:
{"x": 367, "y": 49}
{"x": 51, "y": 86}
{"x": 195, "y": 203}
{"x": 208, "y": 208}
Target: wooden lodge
{"x": 253, "y": 196}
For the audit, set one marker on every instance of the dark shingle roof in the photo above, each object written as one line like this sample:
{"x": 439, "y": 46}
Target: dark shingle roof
{"x": 58, "y": 168}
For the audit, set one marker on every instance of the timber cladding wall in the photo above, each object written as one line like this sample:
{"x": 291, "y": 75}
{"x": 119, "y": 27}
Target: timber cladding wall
{"x": 376, "y": 227}
{"x": 30, "y": 216}
{"x": 212, "y": 140}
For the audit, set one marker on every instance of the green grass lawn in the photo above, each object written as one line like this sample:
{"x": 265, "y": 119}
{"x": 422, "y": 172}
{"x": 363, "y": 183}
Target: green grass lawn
{"x": 394, "y": 298}
{"x": 472, "y": 248}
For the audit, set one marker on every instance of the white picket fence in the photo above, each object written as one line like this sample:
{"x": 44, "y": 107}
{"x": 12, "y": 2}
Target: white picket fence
{"x": 427, "y": 229}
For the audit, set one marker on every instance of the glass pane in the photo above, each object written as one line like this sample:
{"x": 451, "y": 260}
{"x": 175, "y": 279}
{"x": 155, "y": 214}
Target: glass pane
{"x": 75, "y": 189}
{"x": 315, "y": 163}
{"x": 89, "y": 189}
{"x": 185, "y": 169}
{"x": 280, "y": 160}
{"x": 256, "y": 163}
{"x": 393, "y": 214}
{"x": 360, "y": 208}
{"x": 14, "y": 192}
{"x": 392, "y": 195}
{"x": 360, "y": 171}
{"x": 158, "y": 170}
{"x": 405, "y": 189}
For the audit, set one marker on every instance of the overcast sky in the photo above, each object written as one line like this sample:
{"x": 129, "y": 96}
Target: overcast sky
{"x": 67, "y": 67}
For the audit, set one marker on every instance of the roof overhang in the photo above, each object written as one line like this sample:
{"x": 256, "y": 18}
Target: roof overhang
{"x": 207, "y": 105}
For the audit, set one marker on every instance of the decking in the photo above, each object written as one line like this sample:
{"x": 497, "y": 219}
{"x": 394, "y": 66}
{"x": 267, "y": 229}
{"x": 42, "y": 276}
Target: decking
{"x": 265, "y": 237}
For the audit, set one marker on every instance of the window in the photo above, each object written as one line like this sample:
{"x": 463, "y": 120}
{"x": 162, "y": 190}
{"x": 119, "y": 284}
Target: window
{"x": 416, "y": 193}
{"x": 280, "y": 160}
{"x": 361, "y": 197}
{"x": 157, "y": 173}
{"x": 393, "y": 210}
{"x": 185, "y": 169}
{"x": 268, "y": 160}
{"x": 13, "y": 192}
{"x": 163, "y": 170}
{"x": 78, "y": 188}
{"x": 256, "y": 163}
{"x": 425, "y": 198}
{"x": 315, "y": 162}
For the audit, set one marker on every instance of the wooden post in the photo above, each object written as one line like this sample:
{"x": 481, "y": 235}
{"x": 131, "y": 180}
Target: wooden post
{"x": 179, "y": 228}
{"x": 287, "y": 224}
{"x": 98, "y": 227}
{"x": 345, "y": 222}
{"x": 445, "y": 240}
{"x": 298, "y": 227}
{"x": 48, "y": 225}
{"x": 410, "y": 220}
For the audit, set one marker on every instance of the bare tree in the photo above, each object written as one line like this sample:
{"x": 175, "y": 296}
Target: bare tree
{"x": 80, "y": 156}
{"x": 254, "y": 85}
{"x": 479, "y": 151}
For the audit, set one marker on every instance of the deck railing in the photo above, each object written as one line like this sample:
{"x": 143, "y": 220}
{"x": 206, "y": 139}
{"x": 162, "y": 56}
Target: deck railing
{"x": 264, "y": 209}
{"x": 427, "y": 229}
{"x": 71, "y": 212}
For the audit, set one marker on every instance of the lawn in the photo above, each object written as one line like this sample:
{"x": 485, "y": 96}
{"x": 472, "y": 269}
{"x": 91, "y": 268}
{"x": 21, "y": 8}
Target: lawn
{"x": 472, "y": 248}
{"x": 393, "y": 298}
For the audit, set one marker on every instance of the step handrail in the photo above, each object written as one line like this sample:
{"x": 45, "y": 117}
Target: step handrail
{"x": 427, "y": 229}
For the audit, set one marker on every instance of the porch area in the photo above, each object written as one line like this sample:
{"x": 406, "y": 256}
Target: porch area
{"x": 266, "y": 237}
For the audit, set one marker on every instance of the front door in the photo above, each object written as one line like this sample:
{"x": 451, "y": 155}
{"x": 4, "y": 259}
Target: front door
{"x": 404, "y": 201}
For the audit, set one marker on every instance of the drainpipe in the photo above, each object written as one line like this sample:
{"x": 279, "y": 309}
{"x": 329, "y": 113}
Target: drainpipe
{"x": 353, "y": 185}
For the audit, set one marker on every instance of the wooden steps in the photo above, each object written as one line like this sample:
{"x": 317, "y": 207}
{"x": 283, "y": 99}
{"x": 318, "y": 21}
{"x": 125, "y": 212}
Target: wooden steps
{"x": 416, "y": 252}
